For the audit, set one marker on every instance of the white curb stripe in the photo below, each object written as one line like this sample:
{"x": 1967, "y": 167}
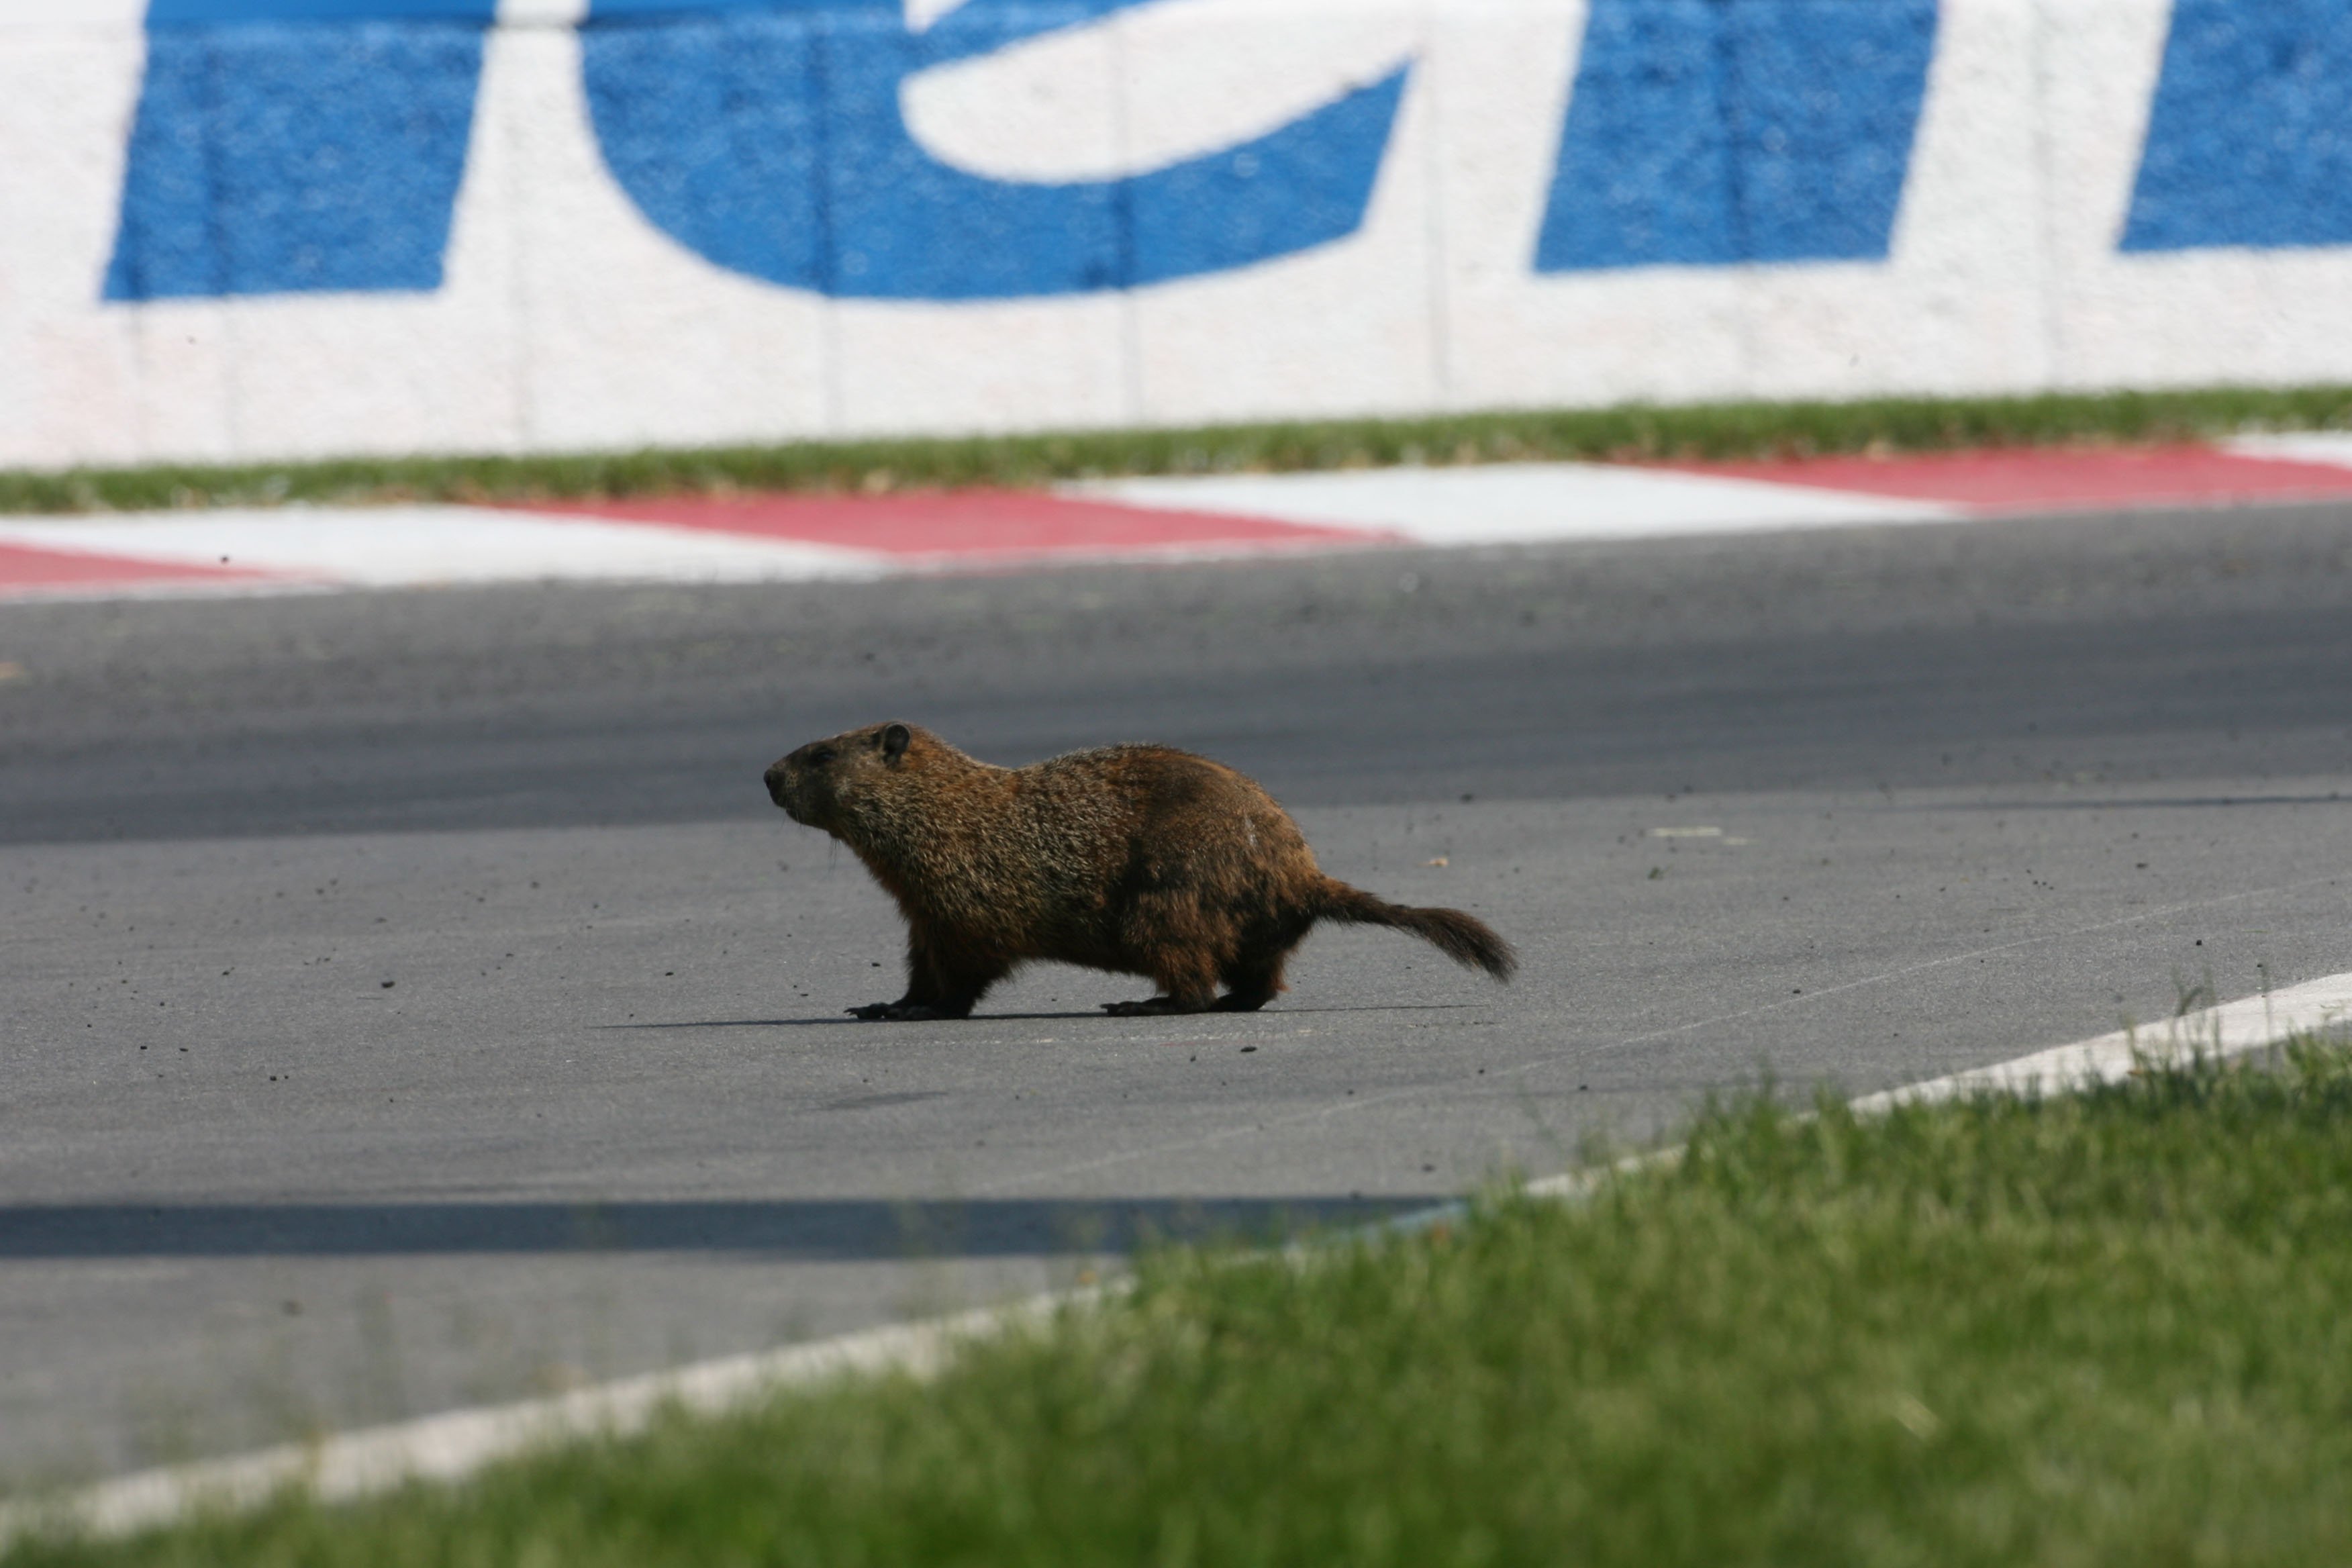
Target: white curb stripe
{"x": 1520, "y": 503}
{"x": 417, "y": 546}
{"x": 2333, "y": 447}
{"x": 452, "y": 1444}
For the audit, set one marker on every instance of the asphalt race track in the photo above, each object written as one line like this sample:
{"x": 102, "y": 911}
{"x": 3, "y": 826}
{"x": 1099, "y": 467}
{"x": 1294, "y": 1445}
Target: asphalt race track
{"x": 412, "y": 999}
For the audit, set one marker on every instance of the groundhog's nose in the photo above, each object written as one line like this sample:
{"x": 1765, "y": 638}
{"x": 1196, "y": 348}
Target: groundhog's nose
{"x": 775, "y": 777}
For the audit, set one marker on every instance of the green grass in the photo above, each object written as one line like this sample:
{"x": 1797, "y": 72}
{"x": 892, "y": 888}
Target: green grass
{"x": 2108, "y": 1329}
{"x": 1718, "y": 431}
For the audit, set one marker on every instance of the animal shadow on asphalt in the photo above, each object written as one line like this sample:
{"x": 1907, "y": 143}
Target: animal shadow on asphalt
{"x": 1091, "y": 1015}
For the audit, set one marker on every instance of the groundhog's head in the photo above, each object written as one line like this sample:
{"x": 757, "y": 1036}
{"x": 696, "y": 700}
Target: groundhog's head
{"x": 814, "y": 784}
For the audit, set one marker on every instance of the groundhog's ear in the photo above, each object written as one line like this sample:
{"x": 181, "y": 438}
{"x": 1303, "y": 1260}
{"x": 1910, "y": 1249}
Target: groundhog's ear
{"x": 894, "y": 741}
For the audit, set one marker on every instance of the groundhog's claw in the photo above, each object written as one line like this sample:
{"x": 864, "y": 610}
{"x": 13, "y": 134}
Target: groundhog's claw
{"x": 896, "y": 1012}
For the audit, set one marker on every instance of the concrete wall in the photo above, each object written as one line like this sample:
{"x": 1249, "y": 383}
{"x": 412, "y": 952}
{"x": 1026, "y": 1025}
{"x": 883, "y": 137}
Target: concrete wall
{"x": 242, "y": 228}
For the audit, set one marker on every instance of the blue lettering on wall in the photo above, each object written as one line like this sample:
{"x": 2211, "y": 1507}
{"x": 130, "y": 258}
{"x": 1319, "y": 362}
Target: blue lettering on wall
{"x": 307, "y": 145}
{"x": 182, "y": 13}
{"x": 2250, "y": 138}
{"x": 1709, "y": 133}
{"x": 770, "y": 140}
{"x": 273, "y": 155}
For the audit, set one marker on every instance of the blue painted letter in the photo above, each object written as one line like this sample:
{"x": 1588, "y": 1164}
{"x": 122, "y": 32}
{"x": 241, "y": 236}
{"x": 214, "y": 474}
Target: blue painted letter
{"x": 2250, "y": 140}
{"x": 1710, "y": 133}
{"x": 768, "y": 138}
{"x": 273, "y": 154}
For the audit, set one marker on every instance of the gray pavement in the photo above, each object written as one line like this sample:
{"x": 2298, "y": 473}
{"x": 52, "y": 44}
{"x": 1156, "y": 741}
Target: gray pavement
{"x": 412, "y": 999}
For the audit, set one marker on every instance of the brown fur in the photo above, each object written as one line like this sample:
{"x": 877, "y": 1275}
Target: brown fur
{"x": 1136, "y": 859}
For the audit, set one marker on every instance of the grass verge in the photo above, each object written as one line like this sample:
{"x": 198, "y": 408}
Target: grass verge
{"x": 2109, "y": 1328}
{"x": 1634, "y": 432}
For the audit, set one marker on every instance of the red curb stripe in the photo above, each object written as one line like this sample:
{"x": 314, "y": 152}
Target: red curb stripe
{"x": 973, "y": 524}
{"x": 2026, "y": 478}
{"x": 32, "y": 567}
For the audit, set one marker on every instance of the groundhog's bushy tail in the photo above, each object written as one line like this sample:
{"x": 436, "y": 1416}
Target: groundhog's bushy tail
{"x": 1465, "y": 939}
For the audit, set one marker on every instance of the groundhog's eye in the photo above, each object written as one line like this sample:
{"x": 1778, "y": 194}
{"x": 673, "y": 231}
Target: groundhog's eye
{"x": 821, "y": 756}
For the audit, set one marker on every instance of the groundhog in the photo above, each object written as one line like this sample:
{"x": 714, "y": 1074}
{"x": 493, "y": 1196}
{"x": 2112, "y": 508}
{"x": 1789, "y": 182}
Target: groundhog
{"x": 1136, "y": 859}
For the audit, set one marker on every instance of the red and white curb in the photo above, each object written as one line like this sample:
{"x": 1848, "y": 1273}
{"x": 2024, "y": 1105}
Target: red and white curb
{"x": 452, "y": 1444}
{"x": 805, "y": 538}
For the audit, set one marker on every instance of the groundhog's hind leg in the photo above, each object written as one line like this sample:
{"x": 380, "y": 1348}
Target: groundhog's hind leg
{"x": 1187, "y": 985}
{"x": 1250, "y": 992}
{"x": 1251, "y": 983}
{"x": 1252, "y": 975}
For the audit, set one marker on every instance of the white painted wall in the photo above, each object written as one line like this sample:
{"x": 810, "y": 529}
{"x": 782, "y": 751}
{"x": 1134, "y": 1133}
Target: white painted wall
{"x": 567, "y": 320}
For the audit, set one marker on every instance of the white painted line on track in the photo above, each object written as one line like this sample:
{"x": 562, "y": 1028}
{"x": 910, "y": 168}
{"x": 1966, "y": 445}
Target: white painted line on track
{"x": 454, "y": 1443}
{"x": 416, "y": 546}
{"x": 2246, "y": 1025}
{"x": 1520, "y": 503}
